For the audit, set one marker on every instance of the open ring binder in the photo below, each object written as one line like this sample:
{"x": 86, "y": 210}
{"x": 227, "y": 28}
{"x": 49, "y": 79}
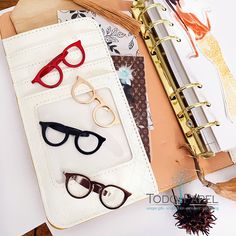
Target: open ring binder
{"x": 187, "y": 86}
{"x": 155, "y": 5}
{"x": 173, "y": 90}
{"x": 167, "y": 38}
{"x": 153, "y": 24}
{"x": 199, "y": 128}
{"x": 189, "y": 108}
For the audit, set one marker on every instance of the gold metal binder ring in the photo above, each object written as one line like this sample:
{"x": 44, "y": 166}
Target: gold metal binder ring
{"x": 199, "y": 128}
{"x": 189, "y": 108}
{"x": 167, "y": 38}
{"x": 155, "y": 5}
{"x": 187, "y": 86}
{"x": 156, "y": 23}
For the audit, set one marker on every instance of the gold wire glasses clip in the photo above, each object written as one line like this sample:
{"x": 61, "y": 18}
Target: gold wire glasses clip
{"x": 94, "y": 97}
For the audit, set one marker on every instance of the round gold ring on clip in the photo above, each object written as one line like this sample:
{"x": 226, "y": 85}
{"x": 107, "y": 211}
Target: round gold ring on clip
{"x": 113, "y": 122}
{"x": 155, "y": 23}
{"x": 167, "y": 38}
{"x": 199, "y": 128}
{"x": 155, "y": 5}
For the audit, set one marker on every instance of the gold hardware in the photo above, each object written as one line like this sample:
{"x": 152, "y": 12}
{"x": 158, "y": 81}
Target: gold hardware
{"x": 187, "y": 86}
{"x": 189, "y": 108}
{"x": 155, "y": 5}
{"x": 155, "y": 23}
{"x": 199, "y": 128}
{"x": 169, "y": 81}
{"x": 94, "y": 97}
{"x": 167, "y": 38}
{"x": 207, "y": 155}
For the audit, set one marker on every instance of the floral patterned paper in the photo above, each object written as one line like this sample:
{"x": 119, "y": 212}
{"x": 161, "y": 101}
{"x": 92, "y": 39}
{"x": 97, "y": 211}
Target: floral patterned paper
{"x": 118, "y": 39}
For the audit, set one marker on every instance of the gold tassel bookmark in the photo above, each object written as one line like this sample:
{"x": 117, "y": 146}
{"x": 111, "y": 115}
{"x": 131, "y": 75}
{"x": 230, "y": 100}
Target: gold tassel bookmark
{"x": 115, "y": 16}
{"x": 225, "y": 189}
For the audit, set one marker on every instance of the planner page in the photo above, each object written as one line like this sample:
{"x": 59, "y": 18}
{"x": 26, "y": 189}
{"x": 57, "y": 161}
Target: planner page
{"x": 207, "y": 49}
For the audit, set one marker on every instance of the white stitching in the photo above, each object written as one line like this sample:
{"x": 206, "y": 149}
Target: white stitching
{"x": 50, "y": 27}
{"x": 41, "y": 46}
{"x": 122, "y": 95}
{"x": 65, "y": 70}
{"x": 47, "y": 61}
{"x": 63, "y": 96}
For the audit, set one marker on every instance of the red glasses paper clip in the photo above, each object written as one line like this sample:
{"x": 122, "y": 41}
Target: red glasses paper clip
{"x": 54, "y": 65}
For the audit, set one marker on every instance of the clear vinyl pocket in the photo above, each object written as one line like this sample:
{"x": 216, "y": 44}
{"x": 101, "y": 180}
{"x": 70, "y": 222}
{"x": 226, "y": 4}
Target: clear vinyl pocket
{"x": 57, "y": 108}
{"x": 120, "y": 160}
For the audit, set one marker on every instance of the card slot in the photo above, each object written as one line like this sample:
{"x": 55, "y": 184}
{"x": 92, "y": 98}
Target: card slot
{"x": 24, "y": 90}
{"x": 93, "y": 69}
{"x": 57, "y": 45}
{"x": 98, "y": 81}
{"x": 59, "y": 31}
{"x": 36, "y": 65}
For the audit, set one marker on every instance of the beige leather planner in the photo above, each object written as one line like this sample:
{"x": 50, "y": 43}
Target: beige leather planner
{"x": 167, "y": 136}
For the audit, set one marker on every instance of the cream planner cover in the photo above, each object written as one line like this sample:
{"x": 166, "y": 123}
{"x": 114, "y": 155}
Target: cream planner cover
{"x": 120, "y": 161}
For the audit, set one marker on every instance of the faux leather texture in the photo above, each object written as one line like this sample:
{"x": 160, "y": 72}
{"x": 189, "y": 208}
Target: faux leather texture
{"x": 121, "y": 160}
